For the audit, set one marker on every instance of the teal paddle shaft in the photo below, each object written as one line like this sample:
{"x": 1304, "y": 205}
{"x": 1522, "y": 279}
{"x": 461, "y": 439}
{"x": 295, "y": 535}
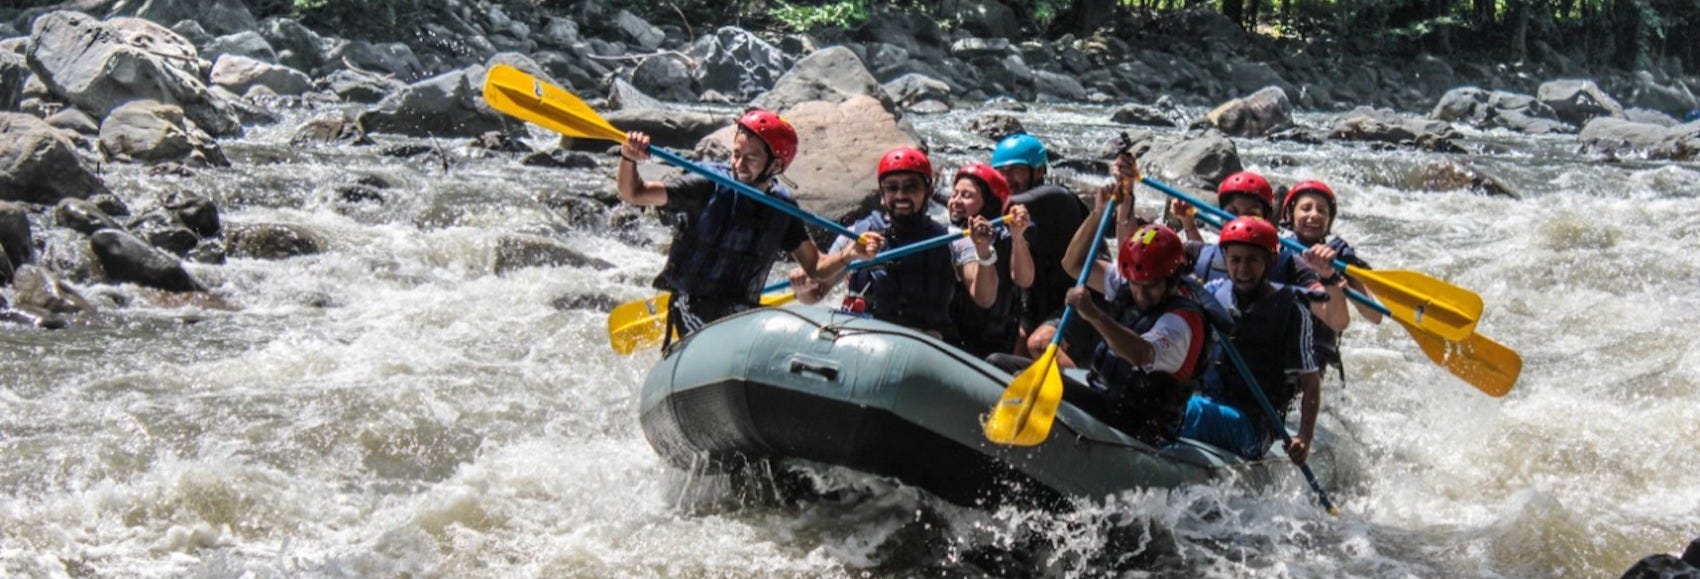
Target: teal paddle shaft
{"x": 1274, "y": 419}
{"x": 1223, "y": 216}
{"x": 751, "y": 192}
{"x": 1213, "y": 219}
{"x": 894, "y": 254}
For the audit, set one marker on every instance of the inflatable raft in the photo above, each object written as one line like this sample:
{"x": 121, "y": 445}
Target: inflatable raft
{"x": 813, "y": 384}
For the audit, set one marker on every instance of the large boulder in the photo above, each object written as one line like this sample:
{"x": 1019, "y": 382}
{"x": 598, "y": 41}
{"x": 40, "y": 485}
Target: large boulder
{"x": 1578, "y": 101}
{"x": 394, "y": 59}
{"x": 1264, "y": 112}
{"x": 1673, "y": 99}
{"x": 151, "y": 132}
{"x": 127, "y": 258}
{"x": 360, "y": 87}
{"x": 39, "y": 165}
{"x": 82, "y": 216}
{"x": 240, "y": 73}
{"x": 1607, "y": 133}
{"x": 98, "y": 66}
{"x": 448, "y": 105}
{"x": 842, "y": 143}
{"x": 273, "y": 241}
{"x": 737, "y": 64}
{"x": 216, "y": 16}
{"x": 1484, "y": 109}
{"x": 637, "y": 31}
{"x": 1194, "y": 160}
{"x": 913, "y": 88}
{"x": 297, "y": 46}
{"x": 833, "y": 75}
{"x": 1681, "y": 143}
{"x": 665, "y": 78}
{"x": 668, "y": 128}
{"x": 245, "y": 43}
{"x": 1386, "y": 126}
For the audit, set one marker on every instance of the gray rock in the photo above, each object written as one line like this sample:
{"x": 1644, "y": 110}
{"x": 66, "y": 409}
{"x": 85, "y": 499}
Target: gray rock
{"x": 67, "y": 253}
{"x": 163, "y": 230}
{"x": 912, "y": 88}
{"x": 39, "y": 288}
{"x": 667, "y": 128}
{"x": 1609, "y": 133}
{"x": 125, "y": 258}
{"x": 515, "y": 252}
{"x": 14, "y": 74}
{"x": 193, "y": 32}
{"x": 970, "y": 48}
{"x": 15, "y": 233}
{"x": 297, "y": 46}
{"x": 272, "y": 241}
{"x": 1681, "y": 143}
{"x": 217, "y": 16}
{"x": 1244, "y": 77}
{"x": 99, "y": 66}
{"x": 1674, "y": 98}
{"x": 738, "y": 64}
{"x": 1263, "y": 112}
{"x": 622, "y": 96}
{"x": 982, "y": 17}
{"x": 830, "y": 74}
{"x": 1651, "y": 117}
{"x": 1453, "y": 175}
{"x": 394, "y": 59}
{"x": 637, "y": 31}
{"x": 110, "y": 204}
{"x": 71, "y": 119}
{"x": 1138, "y": 114}
{"x": 39, "y": 165}
{"x": 560, "y": 159}
{"x": 82, "y": 216}
{"x": 561, "y": 33}
{"x": 194, "y": 211}
{"x": 995, "y": 125}
{"x": 1386, "y": 126}
{"x": 665, "y": 78}
{"x": 148, "y": 131}
{"x": 447, "y": 105}
{"x": 238, "y": 74}
{"x": 1203, "y": 160}
{"x": 246, "y": 43}
{"x": 360, "y": 87}
{"x": 1578, "y": 101}
{"x": 1052, "y": 86}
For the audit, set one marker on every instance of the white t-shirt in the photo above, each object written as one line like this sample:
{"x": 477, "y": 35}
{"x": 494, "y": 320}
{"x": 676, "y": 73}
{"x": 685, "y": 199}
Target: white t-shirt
{"x": 1170, "y": 336}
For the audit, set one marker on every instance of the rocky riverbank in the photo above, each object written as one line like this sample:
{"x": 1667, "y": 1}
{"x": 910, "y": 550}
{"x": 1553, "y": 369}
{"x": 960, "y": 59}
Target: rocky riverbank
{"x": 163, "y": 83}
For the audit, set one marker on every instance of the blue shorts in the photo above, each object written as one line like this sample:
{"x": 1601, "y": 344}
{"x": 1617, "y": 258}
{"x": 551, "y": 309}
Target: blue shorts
{"x": 1207, "y": 420}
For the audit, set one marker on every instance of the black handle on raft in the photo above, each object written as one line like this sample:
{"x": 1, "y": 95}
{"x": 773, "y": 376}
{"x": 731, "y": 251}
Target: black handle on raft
{"x": 828, "y": 372}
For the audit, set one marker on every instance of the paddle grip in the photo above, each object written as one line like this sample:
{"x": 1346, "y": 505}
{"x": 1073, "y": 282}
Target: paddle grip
{"x": 1086, "y": 269}
{"x": 1274, "y": 419}
{"x": 751, "y": 192}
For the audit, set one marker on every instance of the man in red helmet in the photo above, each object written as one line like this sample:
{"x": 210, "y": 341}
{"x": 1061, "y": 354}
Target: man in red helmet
{"x": 1154, "y": 335}
{"x": 724, "y": 245}
{"x": 1273, "y": 335}
{"x": 915, "y": 291}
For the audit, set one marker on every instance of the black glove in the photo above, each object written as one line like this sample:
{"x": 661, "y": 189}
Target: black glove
{"x": 1344, "y": 252}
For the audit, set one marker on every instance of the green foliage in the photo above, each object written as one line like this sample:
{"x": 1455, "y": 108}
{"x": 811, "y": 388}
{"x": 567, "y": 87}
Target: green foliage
{"x": 840, "y": 14}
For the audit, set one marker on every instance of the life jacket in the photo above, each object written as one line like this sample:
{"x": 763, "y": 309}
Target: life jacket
{"x": 992, "y": 330}
{"x": 1149, "y": 405}
{"x": 915, "y": 291}
{"x": 1260, "y": 336}
{"x": 726, "y": 250}
{"x": 1212, "y": 265}
{"x": 1057, "y": 214}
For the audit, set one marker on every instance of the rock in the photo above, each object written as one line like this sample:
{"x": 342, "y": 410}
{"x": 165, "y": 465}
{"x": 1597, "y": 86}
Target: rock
{"x": 1578, "y": 101}
{"x": 164, "y": 230}
{"x": 912, "y": 88}
{"x": 82, "y": 216}
{"x": 522, "y": 251}
{"x": 623, "y": 96}
{"x": 1662, "y": 566}
{"x": 1674, "y": 99}
{"x": 39, "y": 165}
{"x": 14, "y": 73}
{"x": 193, "y": 32}
{"x": 500, "y": 142}
{"x": 929, "y": 107}
{"x": 99, "y": 66}
{"x": 1244, "y": 77}
{"x": 738, "y": 64}
{"x": 1609, "y": 133}
{"x": 272, "y": 241}
{"x": 832, "y": 75}
{"x": 360, "y": 87}
{"x": 597, "y": 302}
{"x": 560, "y": 159}
{"x": 1649, "y": 116}
{"x": 1263, "y": 112}
{"x": 995, "y": 125}
{"x": 297, "y": 46}
{"x": 1681, "y": 143}
{"x": 1199, "y": 160}
{"x": 1052, "y": 86}
{"x": 665, "y": 77}
{"x": 331, "y": 130}
{"x": 982, "y": 17}
{"x": 557, "y": 32}
{"x": 637, "y": 31}
{"x": 150, "y": 132}
{"x": 15, "y": 233}
{"x": 194, "y": 211}
{"x": 110, "y": 204}
{"x": 392, "y": 59}
{"x": 667, "y": 128}
{"x": 1138, "y": 114}
{"x": 1452, "y": 175}
{"x": 217, "y": 16}
{"x": 1386, "y": 126}
{"x": 246, "y": 44}
{"x": 239, "y": 73}
{"x": 39, "y": 288}
{"x": 126, "y": 258}
{"x": 73, "y": 120}
{"x": 842, "y": 145}
{"x": 447, "y": 105}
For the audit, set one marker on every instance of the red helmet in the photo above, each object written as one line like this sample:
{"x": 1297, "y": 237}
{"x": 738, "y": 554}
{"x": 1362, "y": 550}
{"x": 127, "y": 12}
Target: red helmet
{"x": 1313, "y": 186}
{"x": 1250, "y": 231}
{"x": 989, "y": 179}
{"x": 906, "y": 160}
{"x": 1247, "y": 183}
{"x": 1153, "y": 252}
{"x": 779, "y": 136}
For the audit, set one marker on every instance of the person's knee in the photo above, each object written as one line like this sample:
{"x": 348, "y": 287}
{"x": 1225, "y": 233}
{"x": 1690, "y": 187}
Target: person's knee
{"x": 1040, "y": 338}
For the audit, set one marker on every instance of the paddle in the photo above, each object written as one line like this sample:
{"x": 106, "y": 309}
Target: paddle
{"x": 1023, "y": 415}
{"x": 1488, "y": 365}
{"x": 1274, "y": 419}
{"x": 1415, "y": 299}
{"x": 526, "y": 97}
{"x": 642, "y": 323}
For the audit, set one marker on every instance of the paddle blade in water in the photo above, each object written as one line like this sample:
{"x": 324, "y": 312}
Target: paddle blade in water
{"x": 517, "y": 93}
{"x": 1488, "y": 365}
{"x": 1023, "y": 416}
{"x": 640, "y": 324}
{"x": 1425, "y": 303}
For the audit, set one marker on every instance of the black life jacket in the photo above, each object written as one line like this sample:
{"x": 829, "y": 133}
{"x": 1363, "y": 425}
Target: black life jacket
{"x": 1261, "y": 336}
{"x": 1212, "y": 265}
{"x": 1057, "y": 214}
{"x": 726, "y": 251}
{"x": 915, "y": 291}
{"x": 983, "y": 332}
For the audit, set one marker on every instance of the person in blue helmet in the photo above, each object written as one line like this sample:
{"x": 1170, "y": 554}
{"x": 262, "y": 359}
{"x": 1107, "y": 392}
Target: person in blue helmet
{"x": 915, "y": 291}
{"x": 1057, "y": 212}
{"x": 724, "y": 246}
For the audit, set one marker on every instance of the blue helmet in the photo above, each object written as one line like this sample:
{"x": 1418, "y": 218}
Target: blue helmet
{"x": 1019, "y": 149}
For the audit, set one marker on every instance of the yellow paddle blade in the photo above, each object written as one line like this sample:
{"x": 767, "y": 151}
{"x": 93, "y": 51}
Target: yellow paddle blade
{"x": 640, "y": 324}
{"x": 1024, "y": 414}
{"x": 1423, "y": 302}
{"x": 1488, "y": 365}
{"x": 513, "y": 91}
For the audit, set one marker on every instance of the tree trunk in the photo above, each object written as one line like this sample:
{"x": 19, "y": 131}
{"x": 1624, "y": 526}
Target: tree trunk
{"x": 1090, "y": 15}
{"x": 1234, "y": 10}
{"x": 1519, "y": 17}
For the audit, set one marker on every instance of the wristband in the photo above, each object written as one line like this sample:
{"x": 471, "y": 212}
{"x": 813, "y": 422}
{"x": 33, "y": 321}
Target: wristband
{"x": 623, "y": 156}
{"x": 993, "y": 260}
{"x": 1335, "y": 279}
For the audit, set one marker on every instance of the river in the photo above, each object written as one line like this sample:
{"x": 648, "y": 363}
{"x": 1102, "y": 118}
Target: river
{"x": 392, "y": 406}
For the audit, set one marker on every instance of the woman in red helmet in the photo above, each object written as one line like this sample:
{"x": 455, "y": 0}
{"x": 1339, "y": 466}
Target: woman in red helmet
{"x": 915, "y": 291}
{"x": 980, "y": 193}
{"x": 1273, "y": 334}
{"x": 723, "y": 245}
{"x": 1309, "y": 210}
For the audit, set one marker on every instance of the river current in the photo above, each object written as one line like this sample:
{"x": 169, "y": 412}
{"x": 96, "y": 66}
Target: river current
{"x": 393, "y": 406}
